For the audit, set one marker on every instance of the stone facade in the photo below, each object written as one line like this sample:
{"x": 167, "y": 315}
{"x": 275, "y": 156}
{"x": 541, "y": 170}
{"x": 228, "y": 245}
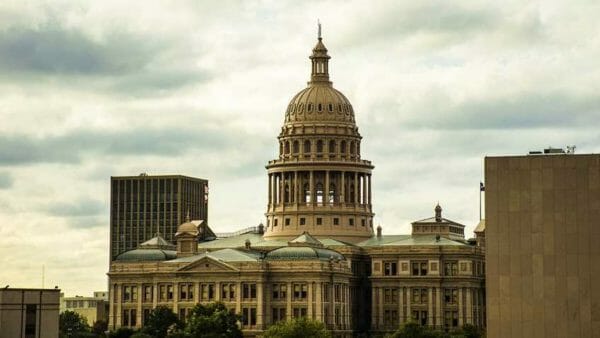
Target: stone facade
{"x": 29, "y": 313}
{"x": 542, "y": 253}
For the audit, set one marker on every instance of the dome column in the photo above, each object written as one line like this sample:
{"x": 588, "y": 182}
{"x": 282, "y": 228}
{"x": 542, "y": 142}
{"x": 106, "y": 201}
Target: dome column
{"x": 343, "y": 188}
{"x": 326, "y": 189}
{"x": 312, "y": 188}
{"x": 369, "y": 179}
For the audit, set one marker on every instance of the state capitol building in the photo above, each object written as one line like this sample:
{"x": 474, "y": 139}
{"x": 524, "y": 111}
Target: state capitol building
{"x": 318, "y": 255}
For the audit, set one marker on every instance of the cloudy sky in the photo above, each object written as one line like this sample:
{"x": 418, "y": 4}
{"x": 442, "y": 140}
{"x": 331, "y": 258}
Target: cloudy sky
{"x": 89, "y": 90}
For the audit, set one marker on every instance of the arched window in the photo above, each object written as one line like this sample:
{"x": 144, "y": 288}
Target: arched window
{"x": 332, "y": 196}
{"x": 343, "y": 147}
{"x": 307, "y": 147}
{"x": 352, "y": 191}
{"x": 306, "y": 192}
{"x": 319, "y": 190}
{"x": 280, "y": 148}
{"x": 332, "y": 147}
{"x": 287, "y": 147}
{"x": 352, "y": 148}
{"x": 320, "y": 107}
{"x": 286, "y": 195}
{"x": 330, "y": 107}
{"x": 296, "y": 147}
{"x": 309, "y": 107}
{"x": 357, "y": 148}
{"x": 319, "y": 146}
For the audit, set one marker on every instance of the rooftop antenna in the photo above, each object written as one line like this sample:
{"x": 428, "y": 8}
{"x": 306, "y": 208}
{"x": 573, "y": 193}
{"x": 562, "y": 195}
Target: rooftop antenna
{"x": 319, "y": 24}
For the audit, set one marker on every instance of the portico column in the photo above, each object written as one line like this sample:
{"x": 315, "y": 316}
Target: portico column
{"x": 312, "y": 187}
{"x": 319, "y": 293}
{"x": 259, "y": 305}
{"x": 364, "y": 188}
{"x": 430, "y": 307}
{"x": 369, "y": 179}
{"x": 460, "y": 307}
{"x": 288, "y": 303}
{"x": 138, "y": 320}
{"x": 374, "y": 308}
{"x": 469, "y": 306}
{"x": 175, "y": 297}
{"x": 343, "y": 187}
{"x": 270, "y": 192}
{"x": 326, "y": 188}
{"x": 380, "y": 306}
{"x": 438, "y": 308}
{"x": 309, "y": 311}
{"x": 356, "y": 188}
{"x": 238, "y": 298}
{"x": 296, "y": 187}
{"x": 218, "y": 291}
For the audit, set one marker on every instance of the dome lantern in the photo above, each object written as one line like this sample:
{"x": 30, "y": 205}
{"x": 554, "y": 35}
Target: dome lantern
{"x": 320, "y": 62}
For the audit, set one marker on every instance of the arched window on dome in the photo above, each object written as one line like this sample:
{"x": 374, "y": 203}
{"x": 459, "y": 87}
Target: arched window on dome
{"x": 306, "y": 192}
{"x": 320, "y": 107}
{"x": 319, "y": 146}
{"x": 319, "y": 190}
{"x": 339, "y": 108}
{"x": 343, "y": 147}
{"x": 352, "y": 148}
{"x": 306, "y": 147}
{"x": 287, "y": 147}
{"x": 330, "y": 107}
{"x": 296, "y": 147}
{"x": 358, "y": 149}
{"x": 332, "y": 194}
{"x": 352, "y": 192}
{"x": 310, "y": 106}
{"x": 280, "y": 149}
{"x": 331, "y": 147}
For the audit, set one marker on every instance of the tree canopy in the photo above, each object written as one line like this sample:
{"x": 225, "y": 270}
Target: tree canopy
{"x": 414, "y": 330}
{"x": 212, "y": 320}
{"x": 297, "y": 328}
{"x": 161, "y": 320}
{"x": 72, "y": 324}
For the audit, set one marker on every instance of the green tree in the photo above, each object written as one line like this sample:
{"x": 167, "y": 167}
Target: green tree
{"x": 122, "y": 332}
{"x": 470, "y": 331}
{"x": 297, "y": 328}
{"x": 211, "y": 321}
{"x": 159, "y": 322}
{"x": 414, "y": 330}
{"x": 99, "y": 327}
{"x": 72, "y": 324}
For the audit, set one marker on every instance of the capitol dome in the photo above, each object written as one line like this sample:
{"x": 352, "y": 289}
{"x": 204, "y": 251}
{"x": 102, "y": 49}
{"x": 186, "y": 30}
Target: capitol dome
{"x": 319, "y": 102}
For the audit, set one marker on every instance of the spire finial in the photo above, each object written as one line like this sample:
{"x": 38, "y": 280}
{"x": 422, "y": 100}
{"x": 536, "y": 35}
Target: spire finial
{"x": 187, "y": 217}
{"x": 319, "y": 25}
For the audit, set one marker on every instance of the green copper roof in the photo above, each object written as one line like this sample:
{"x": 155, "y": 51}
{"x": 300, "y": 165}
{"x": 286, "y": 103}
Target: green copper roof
{"x": 305, "y": 239}
{"x": 146, "y": 255}
{"x": 303, "y": 253}
{"x": 407, "y": 240}
{"x": 224, "y": 255}
{"x": 240, "y": 242}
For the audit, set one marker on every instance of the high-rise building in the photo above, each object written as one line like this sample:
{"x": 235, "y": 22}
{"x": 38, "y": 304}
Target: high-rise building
{"x": 542, "y": 252}
{"x": 142, "y": 206}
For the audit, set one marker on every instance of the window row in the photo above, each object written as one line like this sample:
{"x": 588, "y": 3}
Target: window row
{"x": 421, "y": 268}
{"x": 319, "y": 107}
{"x": 333, "y": 146}
{"x": 318, "y": 221}
{"x": 165, "y": 292}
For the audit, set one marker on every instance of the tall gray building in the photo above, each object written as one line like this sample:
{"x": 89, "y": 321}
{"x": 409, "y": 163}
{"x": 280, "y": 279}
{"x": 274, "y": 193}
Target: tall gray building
{"x": 542, "y": 252}
{"x": 142, "y": 206}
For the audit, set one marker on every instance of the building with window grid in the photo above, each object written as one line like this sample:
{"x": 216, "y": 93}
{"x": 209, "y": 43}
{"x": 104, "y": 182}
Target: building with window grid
{"x": 142, "y": 206}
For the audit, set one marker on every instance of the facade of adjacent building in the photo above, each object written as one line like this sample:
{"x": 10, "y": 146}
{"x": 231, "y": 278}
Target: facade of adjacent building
{"x": 142, "y": 206}
{"x": 542, "y": 233}
{"x": 93, "y": 309}
{"x": 29, "y": 313}
{"x": 318, "y": 255}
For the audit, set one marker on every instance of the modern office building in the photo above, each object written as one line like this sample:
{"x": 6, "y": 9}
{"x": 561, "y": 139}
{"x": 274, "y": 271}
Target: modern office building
{"x": 542, "y": 231}
{"x": 143, "y": 206}
{"x": 29, "y": 313}
{"x": 318, "y": 255}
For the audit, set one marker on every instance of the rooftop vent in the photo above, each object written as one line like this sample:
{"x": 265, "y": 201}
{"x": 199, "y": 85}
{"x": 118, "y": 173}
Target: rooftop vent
{"x": 554, "y": 151}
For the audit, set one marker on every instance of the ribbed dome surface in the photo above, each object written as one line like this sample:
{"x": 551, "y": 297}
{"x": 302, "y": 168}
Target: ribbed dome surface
{"x": 146, "y": 255}
{"x": 320, "y": 102}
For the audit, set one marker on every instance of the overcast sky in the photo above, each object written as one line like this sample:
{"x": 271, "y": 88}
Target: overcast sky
{"x": 90, "y": 90}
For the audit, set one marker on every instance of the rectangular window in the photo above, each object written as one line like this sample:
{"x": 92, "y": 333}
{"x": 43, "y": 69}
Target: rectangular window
{"x": 30, "y": 320}
{"x": 419, "y": 296}
{"x": 351, "y": 221}
{"x": 419, "y": 268}
{"x": 336, "y": 221}
{"x": 319, "y": 221}
{"x": 363, "y": 222}
{"x": 287, "y": 221}
{"x": 147, "y": 294}
{"x": 450, "y": 296}
{"x": 186, "y": 291}
{"x": 451, "y": 319}
{"x": 228, "y": 292}
{"x": 451, "y": 268}
{"x": 248, "y": 291}
{"x": 279, "y": 314}
{"x": 390, "y": 318}
{"x": 420, "y": 317}
{"x": 207, "y": 292}
{"x": 169, "y": 292}
{"x": 299, "y": 312}
{"x": 249, "y": 316}
{"x": 300, "y": 291}
{"x": 302, "y": 221}
{"x": 390, "y": 268}
{"x": 279, "y": 291}
{"x": 126, "y": 293}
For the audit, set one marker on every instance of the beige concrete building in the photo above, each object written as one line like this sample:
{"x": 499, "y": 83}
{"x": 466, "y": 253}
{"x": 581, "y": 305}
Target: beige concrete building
{"x": 29, "y": 313}
{"x": 318, "y": 255}
{"x": 93, "y": 309}
{"x": 542, "y": 253}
